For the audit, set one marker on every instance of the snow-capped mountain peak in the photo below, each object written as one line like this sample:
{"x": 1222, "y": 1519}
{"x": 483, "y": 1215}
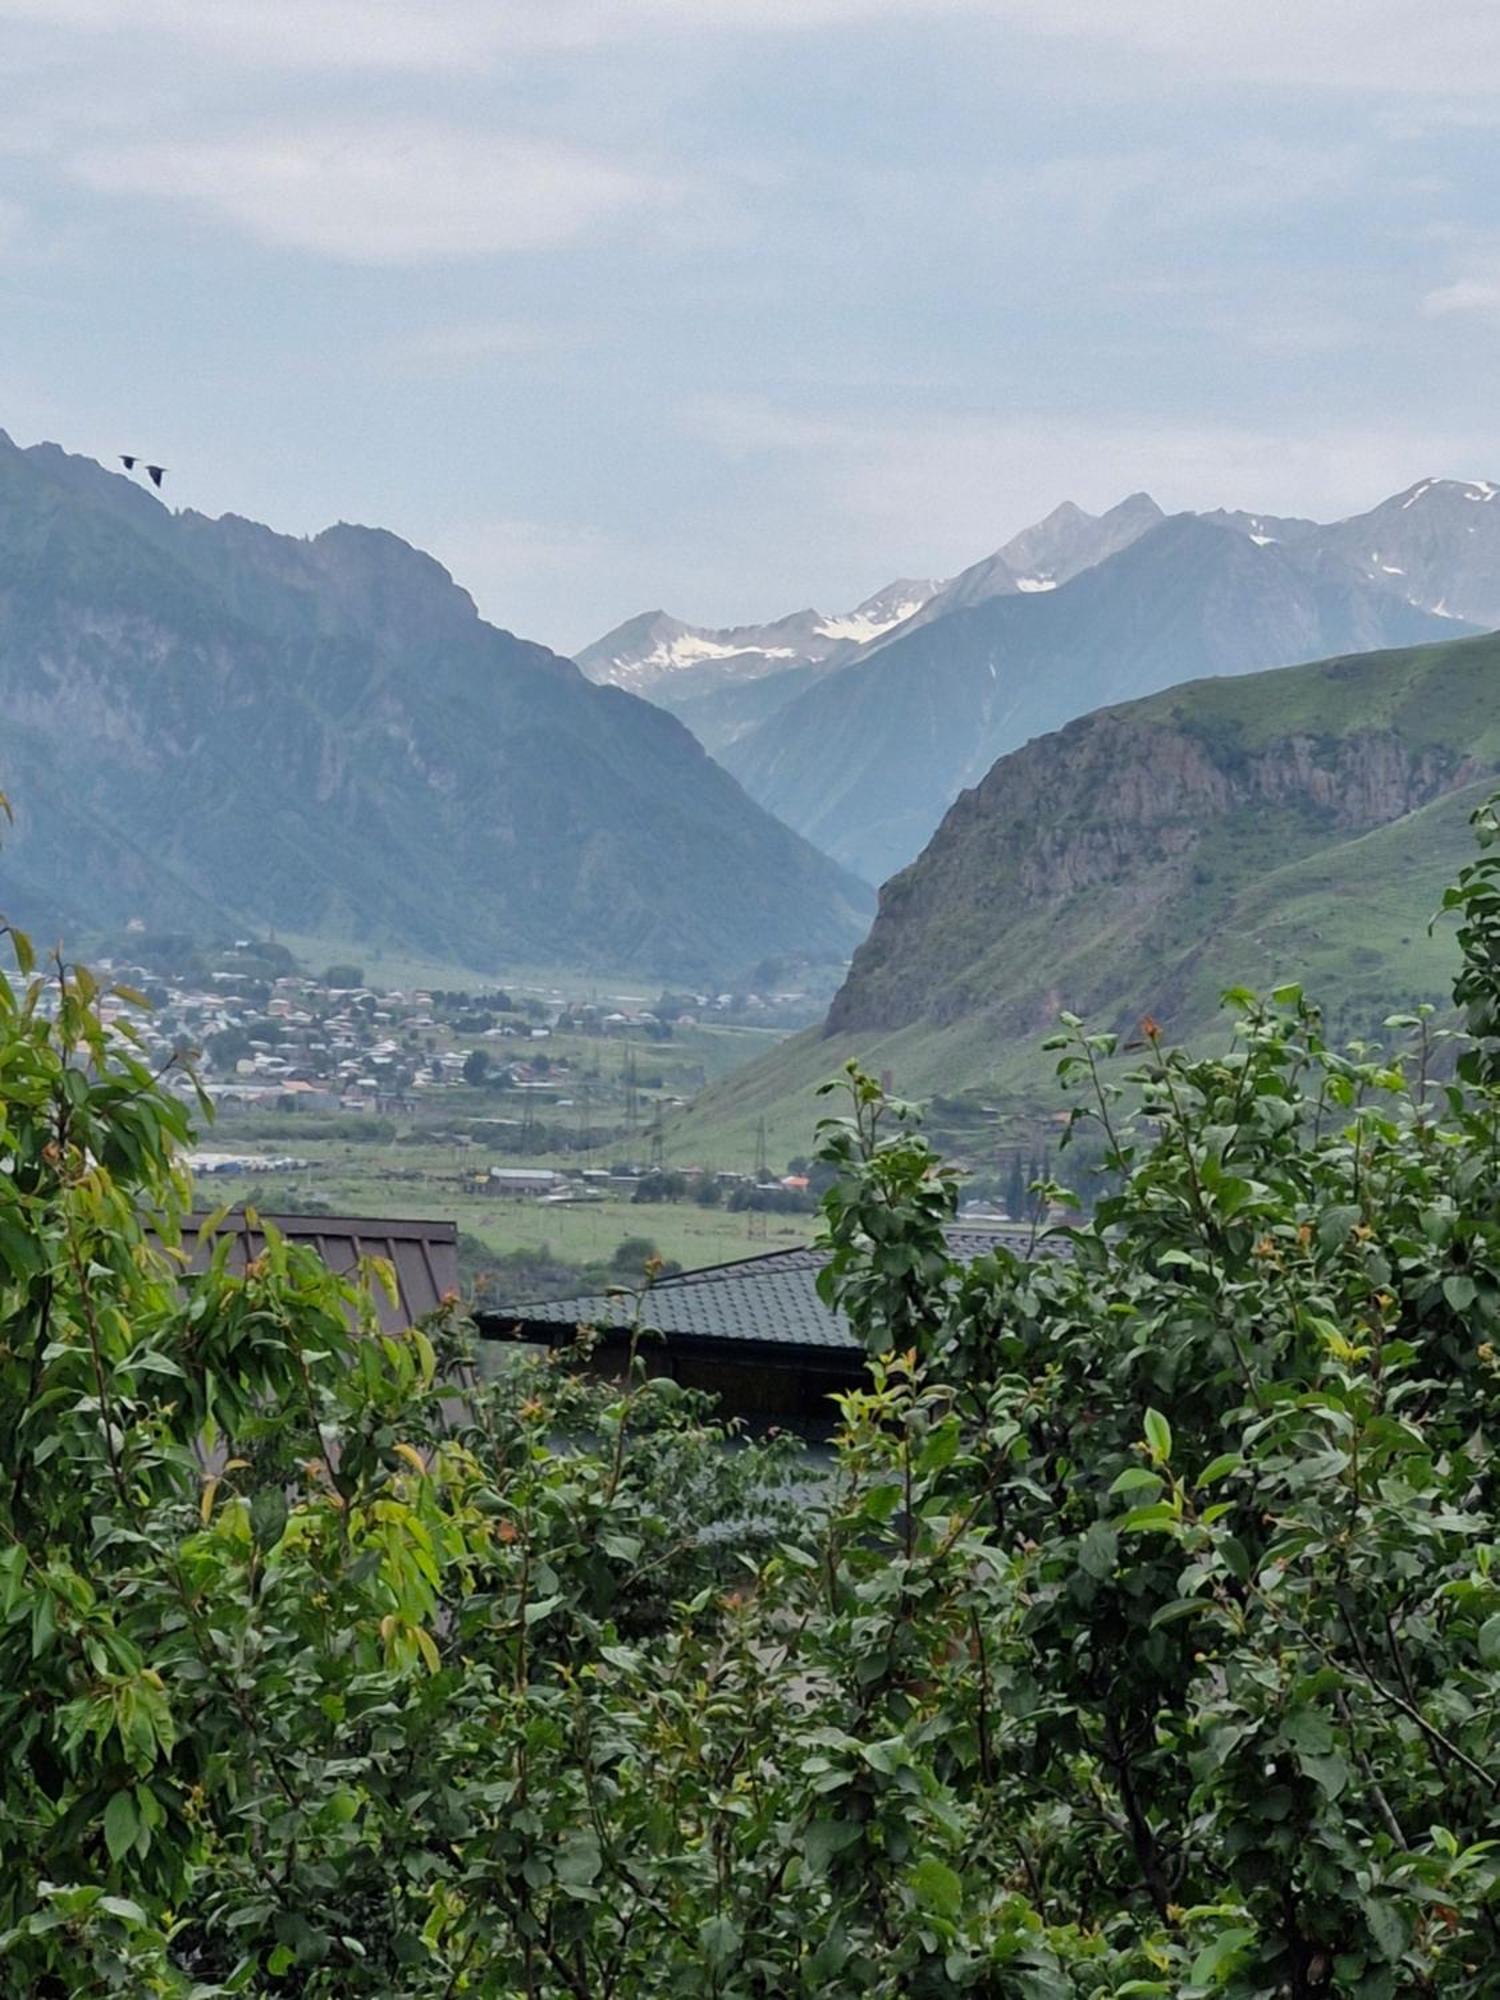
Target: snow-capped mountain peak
{"x": 654, "y": 648}
{"x": 883, "y": 612}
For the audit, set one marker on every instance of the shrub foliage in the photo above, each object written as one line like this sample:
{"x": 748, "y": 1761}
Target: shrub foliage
{"x": 1142, "y": 1637}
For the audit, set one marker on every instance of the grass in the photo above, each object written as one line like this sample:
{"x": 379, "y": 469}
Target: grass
{"x": 682, "y": 1231}
{"x": 1349, "y": 920}
{"x": 437, "y": 1187}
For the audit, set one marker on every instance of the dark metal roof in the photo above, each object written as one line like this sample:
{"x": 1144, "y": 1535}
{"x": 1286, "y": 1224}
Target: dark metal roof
{"x": 423, "y": 1255}
{"x": 763, "y": 1299}
{"x": 770, "y": 1301}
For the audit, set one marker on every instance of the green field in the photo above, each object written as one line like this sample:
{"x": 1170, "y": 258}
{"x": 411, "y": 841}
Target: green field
{"x": 436, "y": 1185}
{"x": 432, "y": 1161}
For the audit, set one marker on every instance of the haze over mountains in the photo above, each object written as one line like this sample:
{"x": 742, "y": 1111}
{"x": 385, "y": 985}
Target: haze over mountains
{"x": 864, "y": 753}
{"x": 206, "y": 723}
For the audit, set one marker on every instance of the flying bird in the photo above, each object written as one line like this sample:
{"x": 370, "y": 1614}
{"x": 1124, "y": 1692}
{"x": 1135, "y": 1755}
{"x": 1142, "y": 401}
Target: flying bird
{"x": 131, "y": 459}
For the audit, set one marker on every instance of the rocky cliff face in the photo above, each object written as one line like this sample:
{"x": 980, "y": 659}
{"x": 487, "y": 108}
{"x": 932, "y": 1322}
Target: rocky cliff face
{"x": 1127, "y": 832}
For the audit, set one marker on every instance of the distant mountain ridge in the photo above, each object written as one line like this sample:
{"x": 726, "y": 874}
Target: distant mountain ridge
{"x": 704, "y": 674}
{"x": 707, "y": 675}
{"x": 209, "y": 723}
{"x": 1433, "y": 547}
{"x": 866, "y": 762}
{"x": 1043, "y": 557}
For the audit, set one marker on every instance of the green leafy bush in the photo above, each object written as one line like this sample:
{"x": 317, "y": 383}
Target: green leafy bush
{"x": 1143, "y": 1637}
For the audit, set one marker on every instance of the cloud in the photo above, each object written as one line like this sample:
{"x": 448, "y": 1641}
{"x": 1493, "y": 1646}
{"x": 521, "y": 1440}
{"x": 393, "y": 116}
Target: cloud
{"x": 323, "y": 34}
{"x": 439, "y": 35}
{"x": 1179, "y": 188}
{"x": 1391, "y": 47}
{"x": 1478, "y": 296}
{"x": 377, "y": 194}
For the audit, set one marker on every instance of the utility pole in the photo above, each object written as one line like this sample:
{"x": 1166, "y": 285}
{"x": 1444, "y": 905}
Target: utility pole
{"x": 632, "y": 1103}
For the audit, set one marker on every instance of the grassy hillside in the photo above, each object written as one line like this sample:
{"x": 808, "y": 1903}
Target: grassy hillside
{"x": 1299, "y": 824}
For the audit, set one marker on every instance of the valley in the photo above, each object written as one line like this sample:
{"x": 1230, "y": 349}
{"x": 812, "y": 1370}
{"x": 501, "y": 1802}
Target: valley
{"x": 361, "y": 774}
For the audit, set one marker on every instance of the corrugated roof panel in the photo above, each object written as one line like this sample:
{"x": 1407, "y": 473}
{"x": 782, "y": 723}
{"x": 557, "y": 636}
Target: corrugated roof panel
{"x": 423, "y": 1255}
{"x": 766, "y": 1300}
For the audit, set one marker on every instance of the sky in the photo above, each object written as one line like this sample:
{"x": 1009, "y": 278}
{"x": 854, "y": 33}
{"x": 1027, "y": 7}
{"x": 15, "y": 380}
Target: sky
{"x": 735, "y": 306}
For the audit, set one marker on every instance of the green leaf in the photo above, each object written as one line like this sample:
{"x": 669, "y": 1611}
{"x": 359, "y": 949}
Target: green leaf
{"x": 940, "y": 1449}
{"x": 1306, "y": 1730}
{"x": 1148, "y": 1520}
{"x": 1176, "y": 1611}
{"x": 123, "y": 1908}
{"x": 43, "y": 1623}
{"x": 1388, "y": 1929}
{"x": 888, "y": 1756}
{"x": 1158, "y": 1436}
{"x": 1489, "y": 1641}
{"x": 1219, "y": 1468}
{"x": 1330, "y": 1774}
{"x": 1220, "y": 1958}
{"x": 1099, "y": 1550}
{"x": 268, "y": 1516}
{"x": 121, "y": 1825}
{"x": 579, "y": 1861}
{"x": 936, "y": 1887}
{"x": 720, "y": 1938}
{"x": 1460, "y": 1291}
{"x": 1134, "y": 1477}
{"x": 827, "y": 1837}
{"x": 1335, "y": 1225}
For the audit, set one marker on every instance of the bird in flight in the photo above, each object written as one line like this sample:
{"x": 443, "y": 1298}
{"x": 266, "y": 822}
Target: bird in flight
{"x": 130, "y": 460}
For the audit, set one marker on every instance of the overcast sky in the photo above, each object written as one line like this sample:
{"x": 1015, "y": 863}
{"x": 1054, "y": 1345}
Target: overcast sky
{"x": 736, "y": 305}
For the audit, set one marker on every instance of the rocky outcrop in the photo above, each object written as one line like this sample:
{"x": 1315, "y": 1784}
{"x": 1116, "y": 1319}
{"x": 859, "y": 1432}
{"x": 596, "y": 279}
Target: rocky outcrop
{"x": 1100, "y": 828}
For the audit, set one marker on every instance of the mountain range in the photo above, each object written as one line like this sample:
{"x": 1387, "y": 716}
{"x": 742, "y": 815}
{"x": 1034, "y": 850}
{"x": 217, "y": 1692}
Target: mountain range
{"x": 721, "y": 681}
{"x": 210, "y": 724}
{"x": 1295, "y": 824}
{"x": 724, "y": 681}
{"x": 863, "y": 751}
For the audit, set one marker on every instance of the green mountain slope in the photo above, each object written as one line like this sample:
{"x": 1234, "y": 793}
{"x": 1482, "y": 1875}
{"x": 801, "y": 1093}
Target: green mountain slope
{"x": 1298, "y": 823}
{"x": 207, "y": 723}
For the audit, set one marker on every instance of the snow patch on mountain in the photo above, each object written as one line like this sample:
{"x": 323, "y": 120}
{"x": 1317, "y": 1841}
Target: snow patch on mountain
{"x": 859, "y": 628}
